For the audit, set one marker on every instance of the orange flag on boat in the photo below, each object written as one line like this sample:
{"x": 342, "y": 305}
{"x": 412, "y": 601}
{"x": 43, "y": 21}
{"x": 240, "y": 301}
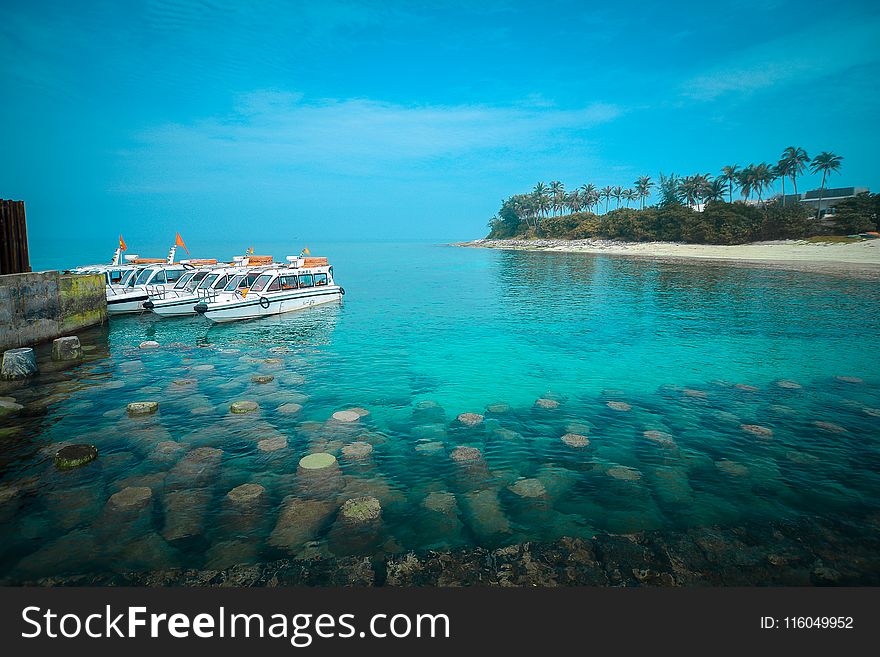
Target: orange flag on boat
{"x": 306, "y": 251}
{"x": 122, "y": 244}
{"x": 179, "y": 242}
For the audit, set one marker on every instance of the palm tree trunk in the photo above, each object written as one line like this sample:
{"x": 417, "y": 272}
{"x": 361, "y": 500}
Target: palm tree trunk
{"x": 783, "y": 190}
{"x": 730, "y": 190}
{"x": 821, "y": 194}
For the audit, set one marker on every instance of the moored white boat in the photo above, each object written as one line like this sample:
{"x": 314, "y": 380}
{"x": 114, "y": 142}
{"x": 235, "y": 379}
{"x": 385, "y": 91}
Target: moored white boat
{"x": 302, "y": 283}
{"x": 194, "y": 286}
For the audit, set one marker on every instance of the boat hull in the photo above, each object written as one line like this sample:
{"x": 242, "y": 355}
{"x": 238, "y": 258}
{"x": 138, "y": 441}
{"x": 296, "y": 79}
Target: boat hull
{"x": 277, "y": 305}
{"x": 123, "y": 304}
{"x": 176, "y": 307}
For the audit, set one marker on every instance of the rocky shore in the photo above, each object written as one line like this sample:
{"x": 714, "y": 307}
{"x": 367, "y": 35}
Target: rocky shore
{"x": 848, "y": 258}
{"x": 807, "y": 553}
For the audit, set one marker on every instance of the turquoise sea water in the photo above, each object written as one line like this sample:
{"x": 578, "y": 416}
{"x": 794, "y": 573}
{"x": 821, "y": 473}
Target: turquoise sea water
{"x": 710, "y": 396}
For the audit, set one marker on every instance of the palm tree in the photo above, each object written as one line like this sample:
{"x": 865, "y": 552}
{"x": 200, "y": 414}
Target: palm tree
{"x": 617, "y": 192}
{"x": 729, "y": 176}
{"x": 574, "y": 201}
{"x": 541, "y": 194}
{"x": 764, "y": 178}
{"x": 589, "y": 195}
{"x": 557, "y": 195}
{"x": 745, "y": 179}
{"x": 826, "y": 162}
{"x": 606, "y": 194}
{"x": 643, "y": 187}
{"x": 795, "y": 159}
{"x": 715, "y": 190}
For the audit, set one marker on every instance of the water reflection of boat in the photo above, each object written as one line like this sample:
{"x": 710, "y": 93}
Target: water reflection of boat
{"x": 292, "y": 330}
{"x": 302, "y": 283}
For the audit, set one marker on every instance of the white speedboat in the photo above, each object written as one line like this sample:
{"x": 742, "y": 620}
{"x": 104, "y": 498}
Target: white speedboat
{"x": 194, "y": 286}
{"x": 302, "y": 283}
{"x": 150, "y": 277}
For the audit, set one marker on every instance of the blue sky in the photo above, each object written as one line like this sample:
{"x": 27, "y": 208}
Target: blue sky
{"x": 353, "y": 119}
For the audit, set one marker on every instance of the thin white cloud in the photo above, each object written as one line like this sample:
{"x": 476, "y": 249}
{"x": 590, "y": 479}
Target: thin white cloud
{"x": 830, "y": 48}
{"x": 273, "y": 134}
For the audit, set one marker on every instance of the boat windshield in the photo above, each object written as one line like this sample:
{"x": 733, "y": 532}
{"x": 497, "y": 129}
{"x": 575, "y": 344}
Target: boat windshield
{"x": 126, "y": 277}
{"x": 144, "y": 276}
{"x": 206, "y": 282}
{"x": 232, "y": 286}
{"x": 261, "y": 282}
{"x": 183, "y": 281}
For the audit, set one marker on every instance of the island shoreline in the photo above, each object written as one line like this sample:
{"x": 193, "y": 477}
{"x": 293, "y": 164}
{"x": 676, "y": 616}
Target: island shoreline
{"x": 857, "y": 259}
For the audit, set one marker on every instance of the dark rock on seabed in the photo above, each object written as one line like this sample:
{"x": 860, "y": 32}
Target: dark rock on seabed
{"x": 805, "y": 553}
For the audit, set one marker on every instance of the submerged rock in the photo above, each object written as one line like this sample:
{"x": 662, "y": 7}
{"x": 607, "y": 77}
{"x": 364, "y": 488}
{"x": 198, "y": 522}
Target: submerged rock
{"x": 757, "y": 430}
{"x": 429, "y": 447}
{"x": 346, "y": 416}
{"x": 262, "y": 378}
{"x": 149, "y": 344}
{"x": 746, "y": 388}
{"x": 788, "y": 384}
{"x": 441, "y": 502}
{"x": 300, "y": 521}
{"x": 659, "y": 437}
{"x": 357, "y": 450}
{"x": 9, "y": 407}
{"x": 732, "y": 468}
{"x": 618, "y": 406}
{"x": 361, "y": 510}
{"x": 693, "y": 393}
{"x": 576, "y": 440}
{"x": 74, "y": 456}
{"x": 830, "y": 427}
{"x": 289, "y": 409}
{"x": 485, "y": 515}
{"x": 849, "y": 379}
{"x": 470, "y": 419}
{"x": 137, "y": 409}
{"x": 466, "y": 454}
{"x": 272, "y": 444}
{"x": 246, "y": 497}
{"x": 197, "y": 468}
{"x": 185, "y": 512}
{"x": 547, "y": 404}
{"x": 624, "y": 473}
{"x": 498, "y": 409}
{"x": 531, "y": 488}
{"x": 130, "y": 500}
{"x": 243, "y": 407}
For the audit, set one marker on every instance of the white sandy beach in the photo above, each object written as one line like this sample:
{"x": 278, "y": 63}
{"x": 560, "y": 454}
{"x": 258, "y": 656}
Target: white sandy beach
{"x": 846, "y": 258}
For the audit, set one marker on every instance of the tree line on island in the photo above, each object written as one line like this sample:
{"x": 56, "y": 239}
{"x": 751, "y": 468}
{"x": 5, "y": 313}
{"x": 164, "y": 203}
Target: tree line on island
{"x": 697, "y": 208}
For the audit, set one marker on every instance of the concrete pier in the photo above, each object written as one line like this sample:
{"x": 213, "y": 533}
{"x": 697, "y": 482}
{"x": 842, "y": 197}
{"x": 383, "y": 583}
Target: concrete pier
{"x": 40, "y": 306}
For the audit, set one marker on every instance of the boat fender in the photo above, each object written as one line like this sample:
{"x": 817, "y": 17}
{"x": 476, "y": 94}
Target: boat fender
{"x": 264, "y": 302}
{"x": 341, "y": 290}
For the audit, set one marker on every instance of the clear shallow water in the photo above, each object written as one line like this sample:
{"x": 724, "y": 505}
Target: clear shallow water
{"x": 428, "y": 332}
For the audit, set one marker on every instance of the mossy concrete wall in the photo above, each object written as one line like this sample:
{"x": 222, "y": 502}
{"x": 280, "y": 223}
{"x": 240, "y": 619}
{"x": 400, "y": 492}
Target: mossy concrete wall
{"x": 40, "y": 306}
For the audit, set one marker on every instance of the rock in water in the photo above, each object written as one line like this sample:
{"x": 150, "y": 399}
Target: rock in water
{"x": 262, "y": 378}
{"x": 546, "y": 403}
{"x": 757, "y": 430}
{"x": 619, "y": 406}
{"x": 528, "y": 488}
{"x": 131, "y": 499}
{"x": 346, "y": 416}
{"x": 73, "y": 456}
{"x": 136, "y": 409}
{"x": 361, "y": 510}
{"x": 272, "y": 444}
{"x": 9, "y": 407}
{"x": 576, "y": 440}
{"x": 243, "y": 407}
{"x": 67, "y": 349}
{"x": 299, "y": 521}
{"x": 470, "y": 419}
{"x": 289, "y": 409}
{"x": 318, "y": 461}
{"x": 466, "y": 454}
{"x": 357, "y": 450}
{"x": 18, "y": 364}
{"x": 149, "y": 344}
